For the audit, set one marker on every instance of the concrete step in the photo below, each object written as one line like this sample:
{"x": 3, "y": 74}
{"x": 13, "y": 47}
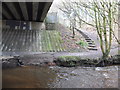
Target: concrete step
{"x": 90, "y": 43}
{"x": 87, "y": 39}
{"x": 91, "y": 48}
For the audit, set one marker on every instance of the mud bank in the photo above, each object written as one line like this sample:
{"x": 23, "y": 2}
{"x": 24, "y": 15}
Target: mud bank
{"x": 72, "y": 61}
{"x": 28, "y": 60}
{"x": 19, "y": 72}
{"x": 64, "y": 61}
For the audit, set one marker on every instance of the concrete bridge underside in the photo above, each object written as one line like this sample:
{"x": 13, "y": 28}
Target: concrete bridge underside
{"x": 21, "y": 26}
{"x": 25, "y": 11}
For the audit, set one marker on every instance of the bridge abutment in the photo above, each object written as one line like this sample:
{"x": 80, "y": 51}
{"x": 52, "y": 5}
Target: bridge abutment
{"x": 23, "y": 25}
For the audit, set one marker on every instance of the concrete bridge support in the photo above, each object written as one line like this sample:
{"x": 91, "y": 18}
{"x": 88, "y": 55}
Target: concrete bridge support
{"x": 25, "y": 25}
{"x": 25, "y": 11}
{"x": 37, "y": 26}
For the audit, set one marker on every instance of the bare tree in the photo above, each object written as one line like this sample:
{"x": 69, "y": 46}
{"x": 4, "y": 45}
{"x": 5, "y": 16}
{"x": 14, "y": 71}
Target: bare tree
{"x": 67, "y": 9}
{"x": 103, "y": 14}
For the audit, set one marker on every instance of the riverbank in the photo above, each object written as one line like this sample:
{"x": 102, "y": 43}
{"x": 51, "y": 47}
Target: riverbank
{"x": 72, "y": 61}
{"x": 39, "y": 71}
{"x": 50, "y": 59}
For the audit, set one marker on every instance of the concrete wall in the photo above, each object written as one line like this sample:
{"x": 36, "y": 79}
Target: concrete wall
{"x": 0, "y": 23}
{"x": 37, "y": 26}
{"x": 23, "y": 25}
{"x": 4, "y": 24}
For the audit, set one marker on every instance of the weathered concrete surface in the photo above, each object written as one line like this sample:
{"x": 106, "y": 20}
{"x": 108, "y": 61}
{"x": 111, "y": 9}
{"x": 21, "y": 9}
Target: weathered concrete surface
{"x": 6, "y": 14}
{"x": 24, "y": 10}
{"x": 35, "y": 10}
{"x": 20, "y": 25}
{"x": 13, "y": 10}
{"x": 37, "y": 26}
{"x": 45, "y": 10}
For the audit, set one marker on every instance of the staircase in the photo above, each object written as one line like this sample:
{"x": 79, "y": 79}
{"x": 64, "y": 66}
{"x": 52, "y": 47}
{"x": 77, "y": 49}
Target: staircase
{"x": 91, "y": 43}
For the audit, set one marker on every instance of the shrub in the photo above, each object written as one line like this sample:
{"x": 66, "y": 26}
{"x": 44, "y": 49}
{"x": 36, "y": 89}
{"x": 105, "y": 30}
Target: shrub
{"x": 82, "y": 43}
{"x": 68, "y": 61}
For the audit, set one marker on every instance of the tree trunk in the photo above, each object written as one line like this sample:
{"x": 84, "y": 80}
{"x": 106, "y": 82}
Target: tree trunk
{"x": 73, "y": 32}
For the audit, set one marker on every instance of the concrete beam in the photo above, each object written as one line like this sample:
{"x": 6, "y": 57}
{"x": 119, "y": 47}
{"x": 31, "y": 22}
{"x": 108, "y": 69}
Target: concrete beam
{"x": 0, "y": 16}
{"x": 24, "y": 10}
{"x": 13, "y": 10}
{"x": 29, "y": 9}
{"x": 28, "y": 0}
{"x": 45, "y": 10}
{"x": 35, "y": 10}
{"x": 0, "y": 10}
{"x": 6, "y": 14}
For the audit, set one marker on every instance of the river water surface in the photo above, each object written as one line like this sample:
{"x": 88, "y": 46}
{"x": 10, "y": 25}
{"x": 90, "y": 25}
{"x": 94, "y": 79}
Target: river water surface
{"x": 27, "y": 77}
{"x": 60, "y": 77}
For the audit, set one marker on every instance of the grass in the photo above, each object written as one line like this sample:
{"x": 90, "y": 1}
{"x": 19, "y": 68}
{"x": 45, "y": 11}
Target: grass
{"x": 68, "y": 61}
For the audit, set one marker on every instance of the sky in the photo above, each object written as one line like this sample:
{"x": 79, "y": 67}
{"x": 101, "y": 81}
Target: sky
{"x": 54, "y": 5}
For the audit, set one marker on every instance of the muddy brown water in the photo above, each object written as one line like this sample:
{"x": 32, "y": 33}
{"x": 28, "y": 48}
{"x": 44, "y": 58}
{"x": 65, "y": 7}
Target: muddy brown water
{"x": 27, "y": 77}
{"x": 61, "y": 77}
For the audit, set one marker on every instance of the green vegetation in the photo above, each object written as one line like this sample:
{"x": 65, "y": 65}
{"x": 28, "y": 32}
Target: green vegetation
{"x": 82, "y": 43}
{"x": 72, "y": 61}
{"x": 69, "y": 58}
{"x": 68, "y": 61}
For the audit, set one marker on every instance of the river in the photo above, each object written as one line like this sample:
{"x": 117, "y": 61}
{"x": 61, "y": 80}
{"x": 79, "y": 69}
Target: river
{"x": 60, "y": 77}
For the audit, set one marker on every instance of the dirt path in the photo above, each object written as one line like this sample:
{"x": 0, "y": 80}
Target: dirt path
{"x": 89, "y": 54}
